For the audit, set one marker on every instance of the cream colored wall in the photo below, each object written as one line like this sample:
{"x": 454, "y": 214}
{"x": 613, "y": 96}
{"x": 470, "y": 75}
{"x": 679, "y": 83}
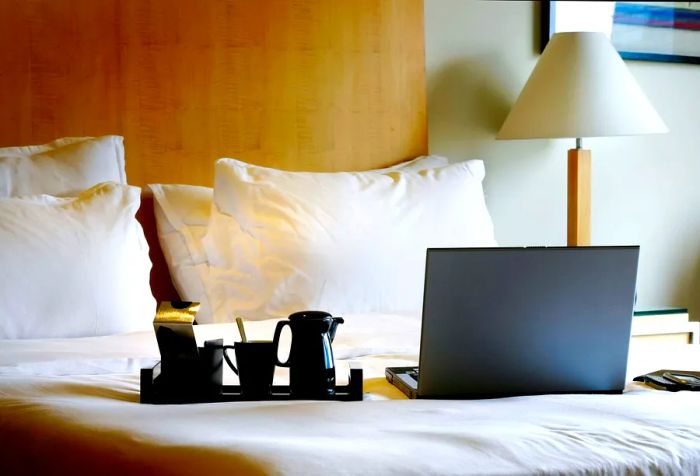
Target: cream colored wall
{"x": 646, "y": 189}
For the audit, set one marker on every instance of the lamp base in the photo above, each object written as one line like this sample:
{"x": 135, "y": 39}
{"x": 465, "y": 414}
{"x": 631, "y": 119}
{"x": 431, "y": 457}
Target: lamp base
{"x": 579, "y": 198}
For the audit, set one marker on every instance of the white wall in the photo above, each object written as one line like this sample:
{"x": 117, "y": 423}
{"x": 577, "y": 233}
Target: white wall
{"x": 646, "y": 189}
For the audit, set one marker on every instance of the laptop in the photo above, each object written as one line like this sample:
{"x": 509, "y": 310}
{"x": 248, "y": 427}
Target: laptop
{"x": 502, "y": 322}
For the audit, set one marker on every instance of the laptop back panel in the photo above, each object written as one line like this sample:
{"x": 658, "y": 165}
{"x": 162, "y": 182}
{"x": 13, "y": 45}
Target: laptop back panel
{"x": 519, "y": 321}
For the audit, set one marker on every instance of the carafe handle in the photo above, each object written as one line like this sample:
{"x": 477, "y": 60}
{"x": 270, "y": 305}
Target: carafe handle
{"x": 276, "y": 342}
{"x": 227, "y": 359}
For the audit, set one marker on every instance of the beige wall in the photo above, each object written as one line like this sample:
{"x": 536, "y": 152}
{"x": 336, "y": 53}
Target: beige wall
{"x": 646, "y": 189}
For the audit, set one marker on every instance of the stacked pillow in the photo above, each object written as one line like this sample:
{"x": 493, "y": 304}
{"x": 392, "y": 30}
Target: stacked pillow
{"x": 182, "y": 217}
{"x": 74, "y": 267}
{"x": 274, "y": 242}
{"x": 279, "y": 242}
{"x": 74, "y": 258}
{"x": 64, "y": 167}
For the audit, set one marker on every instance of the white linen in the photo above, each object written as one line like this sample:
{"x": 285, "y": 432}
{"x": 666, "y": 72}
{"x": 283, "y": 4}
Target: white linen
{"x": 71, "y": 423}
{"x": 84, "y": 259}
{"x": 64, "y": 167}
{"x": 353, "y": 242}
{"x": 182, "y": 214}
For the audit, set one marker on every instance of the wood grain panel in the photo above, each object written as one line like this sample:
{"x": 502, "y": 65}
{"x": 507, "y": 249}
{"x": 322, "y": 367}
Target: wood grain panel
{"x": 296, "y": 84}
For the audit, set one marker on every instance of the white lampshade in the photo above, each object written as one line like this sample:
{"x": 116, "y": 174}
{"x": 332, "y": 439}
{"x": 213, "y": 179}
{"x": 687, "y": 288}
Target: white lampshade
{"x": 580, "y": 87}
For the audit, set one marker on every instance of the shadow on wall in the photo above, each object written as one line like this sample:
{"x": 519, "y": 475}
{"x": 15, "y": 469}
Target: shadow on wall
{"x": 687, "y": 293}
{"x": 468, "y": 103}
{"x": 694, "y": 289}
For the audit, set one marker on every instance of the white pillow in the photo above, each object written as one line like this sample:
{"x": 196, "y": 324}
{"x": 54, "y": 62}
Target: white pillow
{"x": 64, "y": 167}
{"x": 182, "y": 214}
{"x": 280, "y": 242}
{"x": 74, "y": 267}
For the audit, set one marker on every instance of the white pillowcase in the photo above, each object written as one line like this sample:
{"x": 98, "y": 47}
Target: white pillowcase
{"x": 280, "y": 242}
{"x": 74, "y": 267}
{"x": 64, "y": 167}
{"x": 182, "y": 214}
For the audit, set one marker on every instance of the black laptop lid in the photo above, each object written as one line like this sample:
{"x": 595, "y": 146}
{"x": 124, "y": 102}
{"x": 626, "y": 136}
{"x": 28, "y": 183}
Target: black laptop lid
{"x": 516, "y": 321}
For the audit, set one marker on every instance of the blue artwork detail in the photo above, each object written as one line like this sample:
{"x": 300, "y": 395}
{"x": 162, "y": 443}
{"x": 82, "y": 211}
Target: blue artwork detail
{"x": 656, "y": 16}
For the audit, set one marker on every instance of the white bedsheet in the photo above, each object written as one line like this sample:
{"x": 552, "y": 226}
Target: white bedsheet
{"x": 71, "y": 405}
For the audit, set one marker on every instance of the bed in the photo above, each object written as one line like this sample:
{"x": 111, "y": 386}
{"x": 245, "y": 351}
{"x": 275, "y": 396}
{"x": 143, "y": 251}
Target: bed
{"x": 71, "y": 405}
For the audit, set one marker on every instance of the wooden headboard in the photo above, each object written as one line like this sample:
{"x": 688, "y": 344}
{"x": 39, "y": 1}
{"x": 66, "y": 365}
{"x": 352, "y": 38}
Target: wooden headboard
{"x": 317, "y": 85}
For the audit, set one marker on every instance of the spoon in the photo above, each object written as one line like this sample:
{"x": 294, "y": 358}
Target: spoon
{"x": 241, "y": 329}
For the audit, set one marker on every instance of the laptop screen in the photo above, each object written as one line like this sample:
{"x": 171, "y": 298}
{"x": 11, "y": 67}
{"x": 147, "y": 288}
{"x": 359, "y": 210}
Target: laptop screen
{"x": 514, "y": 321}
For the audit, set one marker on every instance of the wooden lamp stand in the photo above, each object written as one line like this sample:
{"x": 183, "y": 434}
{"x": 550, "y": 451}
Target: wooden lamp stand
{"x": 579, "y": 197}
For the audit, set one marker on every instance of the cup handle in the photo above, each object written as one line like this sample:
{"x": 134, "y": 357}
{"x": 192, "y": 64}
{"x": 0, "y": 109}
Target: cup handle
{"x": 276, "y": 342}
{"x": 228, "y": 360}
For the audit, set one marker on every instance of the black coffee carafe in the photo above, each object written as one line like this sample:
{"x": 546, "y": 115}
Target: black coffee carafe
{"x": 310, "y": 361}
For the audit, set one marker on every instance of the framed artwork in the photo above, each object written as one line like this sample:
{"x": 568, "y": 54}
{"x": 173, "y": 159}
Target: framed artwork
{"x": 648, "y": 31}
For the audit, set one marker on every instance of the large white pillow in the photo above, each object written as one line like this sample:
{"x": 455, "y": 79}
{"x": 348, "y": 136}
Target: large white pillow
{"x": 64, "y": 167}
{"x": 280, "y": 242}
{"x": 74, "y": 267}
{"x": 182, "y": 214}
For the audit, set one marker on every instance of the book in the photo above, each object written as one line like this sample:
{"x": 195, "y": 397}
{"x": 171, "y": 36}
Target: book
{"x": 667, "y": 316}
{"x": 664, "y": 323}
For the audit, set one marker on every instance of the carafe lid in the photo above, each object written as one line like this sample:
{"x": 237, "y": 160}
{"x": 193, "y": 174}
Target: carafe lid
{"x": 309, "y": 315}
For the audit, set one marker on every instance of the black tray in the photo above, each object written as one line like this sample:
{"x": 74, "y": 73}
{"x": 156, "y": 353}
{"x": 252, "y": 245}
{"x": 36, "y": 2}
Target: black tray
{"x": 152, "y": 392}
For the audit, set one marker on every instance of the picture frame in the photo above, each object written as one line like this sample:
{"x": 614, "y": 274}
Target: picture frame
{"x": 645, "y": 31}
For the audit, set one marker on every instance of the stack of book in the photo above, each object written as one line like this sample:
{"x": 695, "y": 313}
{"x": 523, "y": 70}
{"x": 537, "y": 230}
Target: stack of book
{"x": 665, "y": 325}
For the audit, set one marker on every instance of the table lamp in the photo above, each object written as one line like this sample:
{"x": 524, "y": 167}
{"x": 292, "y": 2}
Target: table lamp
{"x": 579, "y": 88}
